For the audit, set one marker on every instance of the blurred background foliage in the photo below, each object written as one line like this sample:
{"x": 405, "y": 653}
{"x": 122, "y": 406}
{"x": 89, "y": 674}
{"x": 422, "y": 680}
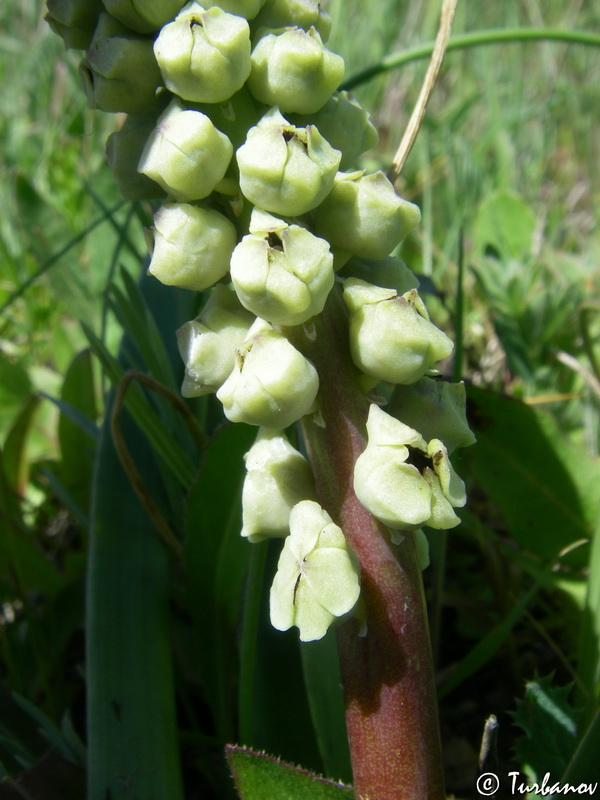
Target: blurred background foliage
{"x": 505, "y": 170}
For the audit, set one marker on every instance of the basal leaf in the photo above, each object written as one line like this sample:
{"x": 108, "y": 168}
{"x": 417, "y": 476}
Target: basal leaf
{"x": 261, "y": 777}
{"x": 550, "y": 728}
{"x": 546, "y": 489}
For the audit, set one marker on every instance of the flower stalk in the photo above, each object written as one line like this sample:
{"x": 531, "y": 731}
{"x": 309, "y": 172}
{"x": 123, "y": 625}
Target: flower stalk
{"x": 387, "y": 673}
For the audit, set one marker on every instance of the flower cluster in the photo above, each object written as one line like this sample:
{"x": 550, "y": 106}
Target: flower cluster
{"x": 235, "y": 123}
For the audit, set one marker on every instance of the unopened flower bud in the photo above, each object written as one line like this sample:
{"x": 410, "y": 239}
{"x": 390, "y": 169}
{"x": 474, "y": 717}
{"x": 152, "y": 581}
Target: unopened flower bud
{"x": 318, "y": 577}
{"x": 123, "y": 150}
{"x": 391, "y": 337}
{"x": 387, "y": 273}
{"x": 209, "y": 343}
{"x": 120, "y": 73}
{"x": 204, "y": 55}
{"x": 437, "y": 409}
{"x": 364, "y": 215}
{"x": 303, "y": 13}
{"x": 284, "y": 169}
{"x": 277, "y": 478}
{"x": 283, "y": 274}
{"x": 190, "y": 246}
{"x": 403, "y": 481}
{"x": 292, "y": 69}
{"x": 243, "y": 8}
{"x": 272, "y": 385}
{"x": 186, "y": 154}
{"x": 346, "y": 126}
{"x": 74, "y": 20}
{"x": 143, "y": 17}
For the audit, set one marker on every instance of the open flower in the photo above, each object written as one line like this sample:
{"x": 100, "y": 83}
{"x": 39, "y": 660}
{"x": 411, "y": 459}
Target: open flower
{"x": 318, "y": 578}
{"x": 404, "y": 481}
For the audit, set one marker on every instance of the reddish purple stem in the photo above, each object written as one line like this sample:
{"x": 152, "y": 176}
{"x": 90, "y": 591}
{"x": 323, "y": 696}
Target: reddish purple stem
{"x": 391, "y": 706}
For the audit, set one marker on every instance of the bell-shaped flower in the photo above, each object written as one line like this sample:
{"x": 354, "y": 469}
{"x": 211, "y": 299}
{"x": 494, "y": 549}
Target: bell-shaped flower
{"x": 209, "y": 343}
{"x": 391, "y": 337}
{"x": 272, "y": 384}
{"x": 292, "y": 69}
{"x": 204, "y": 55}
{"x": 282, "y": 273}
{"x": 303, "y": 13}
{"x": 363, "y": 215}
{"x": 277, "y": 477}
{"x": 143, "y": 17}
{"x": 119, "y": 71}
{"x": 186, "y": 154}
{"x": 318, "y": 577}
{"x": 404, "y": 481}
{"x": 436, "y": 408}
{"x": 284, "y": 169}
{"x": 191, "y": 246}
{"x": 345, "y": 124}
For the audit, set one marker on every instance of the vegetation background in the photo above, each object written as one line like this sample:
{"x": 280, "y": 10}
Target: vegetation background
{"x": 506, "y": 172}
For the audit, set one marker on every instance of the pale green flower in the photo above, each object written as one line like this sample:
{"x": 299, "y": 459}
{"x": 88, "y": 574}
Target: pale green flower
{"x": 283, "y": 274}
{"x": 277, "y": 477}
{"x": 208, "y": 344}
{"x": 318, "y": 578}
{"x": 204, "y": 55}
{"x": 272, "y": 384}
{"x": 404, "y": 481}
{"x": 284, "y": 169}
{"x": 292, "y": 69}
{"x": 391, "y": 337}
{"x": 190, "y": 246}
{"x": 363, "y": 215}
{"x": 186, "y": 154}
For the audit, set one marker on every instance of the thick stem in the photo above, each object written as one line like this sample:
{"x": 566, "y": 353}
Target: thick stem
{"x": 391, "y": 708}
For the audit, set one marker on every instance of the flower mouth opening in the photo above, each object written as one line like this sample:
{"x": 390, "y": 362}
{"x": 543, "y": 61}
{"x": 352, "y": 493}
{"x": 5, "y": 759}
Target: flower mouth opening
{"x": 274, "y": 241}
{"x": 418, "y": 459}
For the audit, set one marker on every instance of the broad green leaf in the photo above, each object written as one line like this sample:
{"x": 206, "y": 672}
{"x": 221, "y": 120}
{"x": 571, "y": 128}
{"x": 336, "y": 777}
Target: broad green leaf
{"x": 131, "y": 695}
{"x": 546, "y": 489}
{"x": 216, "y": 559}
{"x": 76, "y": 446}
{"x": 506, "y": 224}
{"x": 261, "y": 777}
{"x": 550, "y": 729}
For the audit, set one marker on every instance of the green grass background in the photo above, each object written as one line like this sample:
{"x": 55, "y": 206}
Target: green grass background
{"x": 506, "y": 171}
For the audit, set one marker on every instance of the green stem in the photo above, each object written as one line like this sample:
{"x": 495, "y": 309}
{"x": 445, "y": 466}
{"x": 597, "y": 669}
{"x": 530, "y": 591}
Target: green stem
{"x": 468, "y": 40}
{"x": 391, "y": 710}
